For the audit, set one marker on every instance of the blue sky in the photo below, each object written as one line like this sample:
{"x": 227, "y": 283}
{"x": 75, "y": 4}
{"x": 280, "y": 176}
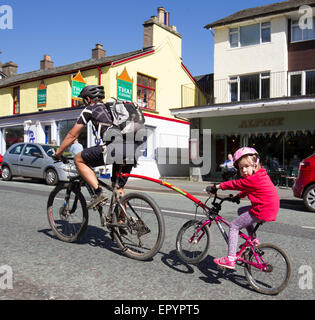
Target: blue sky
{"x": 68, "y": 29}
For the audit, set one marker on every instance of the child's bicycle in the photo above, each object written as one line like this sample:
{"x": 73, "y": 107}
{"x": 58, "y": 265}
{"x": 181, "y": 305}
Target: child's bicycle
{"x": 135, "y": 221}
{"x": 267, "y": 267}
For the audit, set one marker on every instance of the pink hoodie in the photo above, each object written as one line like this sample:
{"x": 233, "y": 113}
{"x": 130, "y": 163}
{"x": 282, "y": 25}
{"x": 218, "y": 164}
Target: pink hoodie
{"x": 260, "y": 191}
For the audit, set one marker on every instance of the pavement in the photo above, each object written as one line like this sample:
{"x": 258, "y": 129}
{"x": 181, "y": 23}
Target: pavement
{"x": 194, "y": 188}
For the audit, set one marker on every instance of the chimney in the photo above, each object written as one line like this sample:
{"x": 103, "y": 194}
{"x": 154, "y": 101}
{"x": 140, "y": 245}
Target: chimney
{"x": 9, "y": 69}
{"x": 98, "y": 52}
{"x": 167, "y": 18}
{"x": 46, "y": 63}
{"x": 161, "y": 15}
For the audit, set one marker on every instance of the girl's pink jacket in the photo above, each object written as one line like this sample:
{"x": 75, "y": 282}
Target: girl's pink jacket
{"x": 260, "y": 191}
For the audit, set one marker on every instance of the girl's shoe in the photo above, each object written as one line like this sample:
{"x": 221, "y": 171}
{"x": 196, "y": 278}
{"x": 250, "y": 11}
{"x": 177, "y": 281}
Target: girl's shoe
{"x": 225, "y": 262}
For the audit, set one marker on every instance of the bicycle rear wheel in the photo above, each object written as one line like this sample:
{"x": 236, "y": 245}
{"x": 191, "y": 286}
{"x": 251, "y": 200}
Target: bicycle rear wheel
{"x": 192, "y": 243}
{"x": 143, "y": 230}
{"x": 275, "y": 277}
{"x": 67, "y": 213}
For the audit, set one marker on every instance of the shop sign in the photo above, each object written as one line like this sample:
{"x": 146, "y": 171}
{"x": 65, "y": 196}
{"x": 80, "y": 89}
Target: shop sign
{"x": 78, "y": 84}
{"x": 42, "y": 95}
{"x": 255, "y": 123}
{"x": 124, "y": 86}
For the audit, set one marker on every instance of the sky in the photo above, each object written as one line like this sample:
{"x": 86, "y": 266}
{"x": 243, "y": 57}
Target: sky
{"x": 68, "y": 30}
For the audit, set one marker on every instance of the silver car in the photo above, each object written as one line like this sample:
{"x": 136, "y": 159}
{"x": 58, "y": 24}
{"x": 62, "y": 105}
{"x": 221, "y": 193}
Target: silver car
{"x": 35, "y": 160}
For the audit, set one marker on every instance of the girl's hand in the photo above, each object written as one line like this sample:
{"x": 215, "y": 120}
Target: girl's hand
{"x": 212, "y": 189}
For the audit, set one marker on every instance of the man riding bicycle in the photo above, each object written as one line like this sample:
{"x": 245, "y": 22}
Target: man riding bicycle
{"x": 109, "y": 153}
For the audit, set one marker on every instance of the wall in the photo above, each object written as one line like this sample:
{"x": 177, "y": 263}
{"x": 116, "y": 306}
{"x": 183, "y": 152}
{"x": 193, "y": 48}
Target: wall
{"x": 250, "y": 59}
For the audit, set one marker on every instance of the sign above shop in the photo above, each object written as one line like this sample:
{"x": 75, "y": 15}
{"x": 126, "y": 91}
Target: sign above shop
{"x": 124, "y": 86}
{"x": 42, "y": 95}
{"x": 78, "y": 83}
{"x": 255, "y": 123}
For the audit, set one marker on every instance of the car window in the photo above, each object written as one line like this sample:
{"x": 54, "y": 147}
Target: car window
{"x": 50, "y": 150}
{"x": 30, "y": 149}
{"x": 17, "y": 149}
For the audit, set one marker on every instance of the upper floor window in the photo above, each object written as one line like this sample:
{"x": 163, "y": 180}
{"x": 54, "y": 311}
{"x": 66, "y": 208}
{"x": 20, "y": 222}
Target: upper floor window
{"x": 302, "y": 83}
{"x": 299, "y": 34}
{"x": 250, "y": 35}
{"x": 16, "y": 100}
{"x": 146, "y": 92}
{"x": 250, "y": 87}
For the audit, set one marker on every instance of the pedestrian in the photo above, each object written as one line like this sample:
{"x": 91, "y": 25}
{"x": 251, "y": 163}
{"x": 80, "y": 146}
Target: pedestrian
{"x": 76, "y": 147}
{"x": 257, "y": 186}
{"x": 227, "y": 168}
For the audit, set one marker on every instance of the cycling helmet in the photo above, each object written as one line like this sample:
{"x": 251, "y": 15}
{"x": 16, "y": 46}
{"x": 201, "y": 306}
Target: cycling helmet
{"x": 245, "y": 151}
{"x": 93, "y": 92}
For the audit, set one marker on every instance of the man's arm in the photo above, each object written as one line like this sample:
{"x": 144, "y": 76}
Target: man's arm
{"x": 70, "y": 137}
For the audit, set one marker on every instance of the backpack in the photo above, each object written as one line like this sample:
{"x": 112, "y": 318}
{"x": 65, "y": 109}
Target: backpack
{"x": 127, "y": 116}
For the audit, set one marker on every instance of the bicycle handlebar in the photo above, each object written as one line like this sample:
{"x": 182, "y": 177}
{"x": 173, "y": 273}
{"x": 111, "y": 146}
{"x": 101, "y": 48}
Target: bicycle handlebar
{"x": 60, "y": 158}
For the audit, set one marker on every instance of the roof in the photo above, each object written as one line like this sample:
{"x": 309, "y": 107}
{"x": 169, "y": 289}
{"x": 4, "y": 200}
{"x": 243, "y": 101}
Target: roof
{"x": 70, "y": 68}
{"x": 262, "y": 11}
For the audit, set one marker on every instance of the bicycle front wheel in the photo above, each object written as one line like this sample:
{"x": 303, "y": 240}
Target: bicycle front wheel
{"x": 192, "y": 242}
{"x": 67, "y": 213}
{"x": 142, "y": 232}
{"x": 274, "y": 277}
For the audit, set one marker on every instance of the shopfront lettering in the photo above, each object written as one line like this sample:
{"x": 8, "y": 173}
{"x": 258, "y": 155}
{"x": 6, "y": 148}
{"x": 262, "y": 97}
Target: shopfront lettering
{"x": 255, "y": 123}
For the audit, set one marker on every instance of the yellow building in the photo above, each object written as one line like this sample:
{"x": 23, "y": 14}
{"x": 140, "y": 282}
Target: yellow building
{"x": 42, "y": 105}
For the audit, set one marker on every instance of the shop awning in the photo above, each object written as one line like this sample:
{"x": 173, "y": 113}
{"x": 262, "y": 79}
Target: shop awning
{"x": 248, "y": 107}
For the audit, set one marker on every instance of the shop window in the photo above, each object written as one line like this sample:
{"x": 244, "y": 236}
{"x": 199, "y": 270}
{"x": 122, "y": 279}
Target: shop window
{"x": 14, "y": 135}
{"x": 250, "y": 87}
{"x": 149, "y": 143}
{"x": 250, "y": 35}
{"x": 65, "y": 126}
{"x": 16, "y": 100}
{"x": 299, "y": 34}
{"x": 146, "y": 92}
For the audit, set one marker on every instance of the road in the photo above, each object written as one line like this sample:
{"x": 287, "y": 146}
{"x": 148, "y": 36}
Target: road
{"x": 45, "y": 268}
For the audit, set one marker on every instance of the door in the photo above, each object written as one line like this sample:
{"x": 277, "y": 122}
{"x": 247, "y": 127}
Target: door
{"x": 30, "y": 164}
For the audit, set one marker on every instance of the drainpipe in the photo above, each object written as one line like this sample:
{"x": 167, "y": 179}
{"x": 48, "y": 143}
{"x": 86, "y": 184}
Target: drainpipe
{"x": 99, "y": 75}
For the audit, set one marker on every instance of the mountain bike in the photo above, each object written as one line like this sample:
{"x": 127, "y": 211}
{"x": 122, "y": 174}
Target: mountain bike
{"x": 135, "y": 221}
{"x": 267, "y": 267}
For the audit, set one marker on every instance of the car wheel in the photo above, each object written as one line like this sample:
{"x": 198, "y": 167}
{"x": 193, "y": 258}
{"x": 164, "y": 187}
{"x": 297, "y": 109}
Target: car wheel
{"x": 6, "y": 173}
{"x": 51, "y": 177}
{"x": 309, "y": 198}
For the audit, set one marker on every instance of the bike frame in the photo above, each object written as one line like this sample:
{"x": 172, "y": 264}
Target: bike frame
{"x": 218, "y": 219}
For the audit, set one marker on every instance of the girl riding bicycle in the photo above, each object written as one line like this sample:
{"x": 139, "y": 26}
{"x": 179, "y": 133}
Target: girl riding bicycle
{"x": 257, "y": 186}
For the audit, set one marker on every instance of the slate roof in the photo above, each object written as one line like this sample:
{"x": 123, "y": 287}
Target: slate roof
{"x": 74, "y": 67}
{"x": 271, "y": 9}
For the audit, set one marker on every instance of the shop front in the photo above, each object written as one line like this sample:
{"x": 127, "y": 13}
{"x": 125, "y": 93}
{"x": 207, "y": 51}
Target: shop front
{"x": 281, "y": 130}
{"x": 282, "y": 139}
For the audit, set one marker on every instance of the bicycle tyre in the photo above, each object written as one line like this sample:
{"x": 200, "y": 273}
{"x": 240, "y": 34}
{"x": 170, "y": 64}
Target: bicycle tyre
{"x": 152, "y": 241}
{"x": 189, "y": 251}
{"x": 68, "y": 227}
{"x": 269, "y": 282}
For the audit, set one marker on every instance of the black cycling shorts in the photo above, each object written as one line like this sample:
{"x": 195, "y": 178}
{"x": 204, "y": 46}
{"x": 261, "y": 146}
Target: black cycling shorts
{"x": 93, "y": 156}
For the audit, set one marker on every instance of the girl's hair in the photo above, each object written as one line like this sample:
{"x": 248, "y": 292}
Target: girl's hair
{"x": 253, "y": 160}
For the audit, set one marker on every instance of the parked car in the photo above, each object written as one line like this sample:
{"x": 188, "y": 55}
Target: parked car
{"x": 304, "y": 185}
{"x": 1, "y": 159}
{"x": 35, "y": 160}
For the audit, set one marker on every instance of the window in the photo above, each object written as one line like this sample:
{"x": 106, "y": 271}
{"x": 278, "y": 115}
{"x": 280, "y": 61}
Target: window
{"x": 250, "y": 87}
{"x": 16, "y": 100}
{"x": 302, "y": 83}
{"x": 146, "y": 92}
{"x": 17, "y": 149}
{"x": 30, "y": 150}
{"x": 310, "y": 82}
{"x": 298, "y": 34}
{"x": 250, "y": 35}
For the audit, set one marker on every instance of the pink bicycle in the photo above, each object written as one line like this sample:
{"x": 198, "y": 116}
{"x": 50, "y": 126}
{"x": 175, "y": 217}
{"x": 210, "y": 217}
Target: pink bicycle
{"x": 267, "y": 267}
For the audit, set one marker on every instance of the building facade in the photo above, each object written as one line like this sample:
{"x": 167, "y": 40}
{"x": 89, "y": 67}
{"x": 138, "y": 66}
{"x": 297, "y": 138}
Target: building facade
{"x": 263, "y": 84}
{"x": 41, "y": 106}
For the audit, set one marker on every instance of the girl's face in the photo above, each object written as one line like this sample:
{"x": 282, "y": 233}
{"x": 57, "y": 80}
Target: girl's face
{"x": 245, "y": 167}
